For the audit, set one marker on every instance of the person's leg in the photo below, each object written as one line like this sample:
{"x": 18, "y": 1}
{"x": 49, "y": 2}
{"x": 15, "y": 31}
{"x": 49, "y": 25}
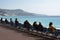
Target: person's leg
{"x": 56, "y": 33}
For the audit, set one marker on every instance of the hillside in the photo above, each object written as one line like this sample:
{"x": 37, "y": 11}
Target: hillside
{"x": 16, "y": 12}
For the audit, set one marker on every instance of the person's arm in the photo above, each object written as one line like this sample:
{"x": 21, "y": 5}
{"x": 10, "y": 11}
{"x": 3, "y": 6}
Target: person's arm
{"x": 54, "y": 28}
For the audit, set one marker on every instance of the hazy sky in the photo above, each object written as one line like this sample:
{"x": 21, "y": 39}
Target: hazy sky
{"x": 48, "y": 7}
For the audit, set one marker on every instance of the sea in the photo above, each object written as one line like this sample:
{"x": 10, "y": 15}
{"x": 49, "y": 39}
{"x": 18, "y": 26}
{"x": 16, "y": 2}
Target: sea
{"x": 45, "y": 20}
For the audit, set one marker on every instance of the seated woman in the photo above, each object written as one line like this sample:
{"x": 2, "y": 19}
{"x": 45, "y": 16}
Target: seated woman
{"x": 35, "y": 26}
{"x": 40, "y": 27}
{"x": 27, "y": 25}
{"x": 51, "y": 28}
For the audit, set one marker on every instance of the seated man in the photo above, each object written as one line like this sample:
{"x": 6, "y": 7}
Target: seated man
{"x": 27, "y": 25}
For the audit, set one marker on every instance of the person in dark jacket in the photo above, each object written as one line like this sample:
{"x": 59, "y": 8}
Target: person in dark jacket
{"x": 11, "y": 22}
{"x": 27, "y": 25}
{"x": 35, "y": 26}
{"x": 16, "y": 22}
{"x": 40, "y": 27}
{"x": 6, "y": 21}
{"x": 1, "y": 20}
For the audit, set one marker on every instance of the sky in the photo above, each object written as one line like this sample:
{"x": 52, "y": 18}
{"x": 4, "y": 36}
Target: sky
{"x": 46, "y": 7}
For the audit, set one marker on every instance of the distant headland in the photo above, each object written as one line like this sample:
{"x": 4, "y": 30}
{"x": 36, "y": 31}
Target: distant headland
{"x": 17, "y": 12}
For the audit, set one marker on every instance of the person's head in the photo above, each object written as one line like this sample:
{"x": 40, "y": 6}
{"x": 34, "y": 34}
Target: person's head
{"x": 39, "y": 23}
{"x": 50, "y": 23}
{"x": 6, "y": 19}
{"x": 26, "y": 20}
{"x": 34, "y": 23}
{"x": 10, "y": 19}
{"x": 1, "y": 19}
{"x": 15, "y": 19}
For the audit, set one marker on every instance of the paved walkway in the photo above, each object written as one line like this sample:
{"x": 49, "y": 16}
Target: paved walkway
{"x": 7, "y": 34}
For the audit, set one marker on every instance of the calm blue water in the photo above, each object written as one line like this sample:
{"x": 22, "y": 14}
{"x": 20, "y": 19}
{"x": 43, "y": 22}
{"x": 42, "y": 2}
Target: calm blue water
{"x": 44, "y": 20}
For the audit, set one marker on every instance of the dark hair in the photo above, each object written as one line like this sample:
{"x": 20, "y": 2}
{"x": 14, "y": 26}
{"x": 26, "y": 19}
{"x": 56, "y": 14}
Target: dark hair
{"x": 10, "y": 18}
{"x": 50, "y": 23}
{"x": 34, "y": 23}
{"x": 26, "y": 20}
{"x": 15, "y": 18}
{"x": 40, "y": 23}
{"x": 1, "y": 20}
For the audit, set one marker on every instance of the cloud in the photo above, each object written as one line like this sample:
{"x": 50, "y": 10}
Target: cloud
{"x": 49, "y": 7}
